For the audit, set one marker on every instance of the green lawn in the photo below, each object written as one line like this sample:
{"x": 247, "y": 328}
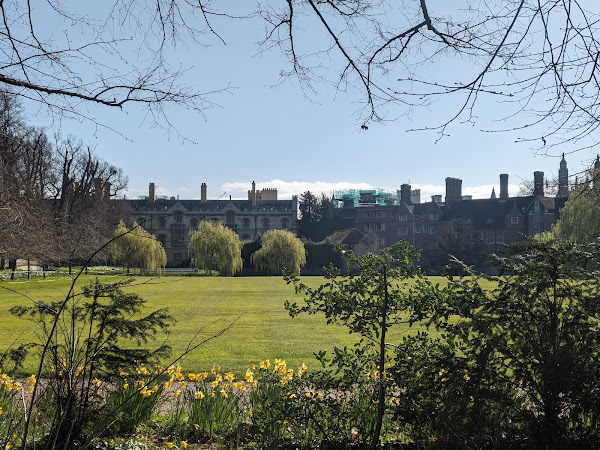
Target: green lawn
{"x": 207, "y": 304}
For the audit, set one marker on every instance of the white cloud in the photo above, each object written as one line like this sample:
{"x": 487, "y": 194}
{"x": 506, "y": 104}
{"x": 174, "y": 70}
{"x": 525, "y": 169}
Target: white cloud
{"x": 285, "y": 189}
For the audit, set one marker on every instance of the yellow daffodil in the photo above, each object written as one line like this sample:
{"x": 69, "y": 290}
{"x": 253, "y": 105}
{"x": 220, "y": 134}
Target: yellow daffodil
{"x": 192, "y": 376}
{"x": 169, "y": 444}
{"x": 184, "y": 444}
{"x": 224, "y": 393}
{"x": 183, "y": 384}
{"x": 96, "y": 381}
{"x": 199, "y": 395}
{"x": 249, "y": 376}
{"x": 265, "y": 364}
{"x": 196, "y": 426}
{"x": 229, "y": 377}
{"x": 214, "y": 384}
{"x": 122, "y": 372}
{"x": 177, "y": 393}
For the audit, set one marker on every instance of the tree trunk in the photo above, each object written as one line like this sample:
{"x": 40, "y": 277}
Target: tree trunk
{"x": 12, "y": 264}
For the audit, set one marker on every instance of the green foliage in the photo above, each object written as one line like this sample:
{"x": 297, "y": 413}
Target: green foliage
{"x": 306, "y": 410}
{"x": 280, "y": 250}
{"x": 368, "y": 303}
{"x": 133, "y": 398}
{"x": 86, "y": 338}
{"x": 136, "y": 247}
{"x": 579, "y": 220}
{"x": 216, "y": 247}
{"x": 523, "y": 353}
{"x": 318, "y": 217}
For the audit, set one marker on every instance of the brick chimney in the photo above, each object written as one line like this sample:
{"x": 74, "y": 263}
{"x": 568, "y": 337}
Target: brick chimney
{"x": 203, "y": 192}
{"x": 152, "y": 192}
{"x": 405, "y": 194}
{"x": 453, "y": 189}
{"x": 503, "y": 186}
{"x": 538, "y": 183}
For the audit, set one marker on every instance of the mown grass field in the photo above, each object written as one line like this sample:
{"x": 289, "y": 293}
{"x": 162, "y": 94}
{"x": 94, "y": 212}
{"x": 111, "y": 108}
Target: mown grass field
{"x": 202, "y": 306}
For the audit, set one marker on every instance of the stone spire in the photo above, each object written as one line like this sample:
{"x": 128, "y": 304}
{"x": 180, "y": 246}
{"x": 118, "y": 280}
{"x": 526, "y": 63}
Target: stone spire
{"x": 563, "y": 178}
{"x": 493, "y": 193}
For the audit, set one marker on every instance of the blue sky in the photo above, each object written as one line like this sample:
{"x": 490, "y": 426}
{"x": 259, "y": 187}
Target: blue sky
{"x": 278, "y": 135}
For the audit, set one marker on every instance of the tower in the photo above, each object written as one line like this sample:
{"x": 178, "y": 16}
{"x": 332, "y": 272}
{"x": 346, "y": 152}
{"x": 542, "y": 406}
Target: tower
{"x": 563, "y": 179}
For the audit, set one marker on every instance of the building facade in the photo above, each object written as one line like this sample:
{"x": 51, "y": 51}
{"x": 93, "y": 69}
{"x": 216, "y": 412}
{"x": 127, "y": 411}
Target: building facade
{"x": 498, "y": 220}
{"x": 171, "y": 220}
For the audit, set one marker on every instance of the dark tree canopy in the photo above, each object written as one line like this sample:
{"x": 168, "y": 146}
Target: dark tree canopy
{"x": 318, "y": 217}
{"x": 460, "y": 240}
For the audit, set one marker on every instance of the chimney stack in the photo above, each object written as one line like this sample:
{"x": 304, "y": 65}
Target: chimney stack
{"x": 538, "y": 183}
{"x": 503, "y": 186}
{"x": 203, "y": 192}
{"x": 152, "y": 193}
{"x": 453, "y": 189}
{"x": 405, "y": 194}
{"x": 253, "y": 193}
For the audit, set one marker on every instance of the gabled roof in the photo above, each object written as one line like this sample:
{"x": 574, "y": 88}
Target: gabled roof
{"x": 351, "y": 236}
{"x": 480, "y": 210}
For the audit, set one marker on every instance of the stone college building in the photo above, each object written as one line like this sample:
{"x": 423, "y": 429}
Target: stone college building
{"x": 171, "y": 219}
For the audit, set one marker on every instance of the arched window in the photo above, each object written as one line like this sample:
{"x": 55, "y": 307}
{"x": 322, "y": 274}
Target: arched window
{"x": 162, "y": 222}
{"x": 230, "y": 217}
{"x": 285, "y": 223}
{"x": 246, "y": 223}
{"x": 194, "y": 223}
{"x": 266, "y": 222}
{"x": 178, "y": 217}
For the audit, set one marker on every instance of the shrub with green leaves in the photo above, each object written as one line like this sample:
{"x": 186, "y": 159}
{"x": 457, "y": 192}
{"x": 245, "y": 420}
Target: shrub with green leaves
{"x": 515, "y": 364}
{"x": 85, "y": 341}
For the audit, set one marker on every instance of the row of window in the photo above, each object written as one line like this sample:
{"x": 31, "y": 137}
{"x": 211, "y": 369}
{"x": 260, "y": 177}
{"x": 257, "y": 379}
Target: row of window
{"x": 401, "y": 217}
{"x": 194, "y": 222}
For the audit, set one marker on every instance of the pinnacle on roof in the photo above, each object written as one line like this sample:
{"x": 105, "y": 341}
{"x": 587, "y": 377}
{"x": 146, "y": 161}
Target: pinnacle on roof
{"x": 597, "y": 162}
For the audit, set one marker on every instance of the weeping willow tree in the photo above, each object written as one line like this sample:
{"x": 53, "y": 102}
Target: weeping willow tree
{"x": 280, "y": 250}
{"x": 580, "y": 218}
{"x": 137, "y": 248}
{"x": 216, "y": 247}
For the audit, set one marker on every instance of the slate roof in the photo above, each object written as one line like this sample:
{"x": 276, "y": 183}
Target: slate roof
{"x": 351, "y": 236}
{"x": 199, "y": 205}
{"x": 480, "y": 210}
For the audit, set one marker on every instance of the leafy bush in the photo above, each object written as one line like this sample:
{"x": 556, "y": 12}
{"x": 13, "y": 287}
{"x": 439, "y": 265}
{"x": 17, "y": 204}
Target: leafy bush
{"x": 86, "y": 338}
